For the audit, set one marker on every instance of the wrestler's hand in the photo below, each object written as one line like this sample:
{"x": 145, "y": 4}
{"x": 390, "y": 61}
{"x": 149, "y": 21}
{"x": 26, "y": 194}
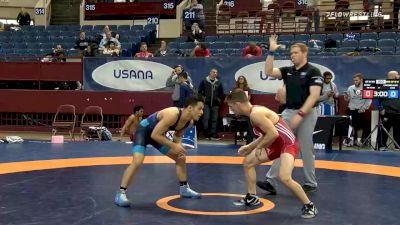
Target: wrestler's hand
{"x": 244, "y": 150}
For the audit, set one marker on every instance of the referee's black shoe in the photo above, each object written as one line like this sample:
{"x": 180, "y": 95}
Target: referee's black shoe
{"x": 267, "y": 186}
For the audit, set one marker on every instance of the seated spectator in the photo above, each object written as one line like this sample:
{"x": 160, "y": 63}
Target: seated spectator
{"x": 163, "y": 50}
{"x": 107, "y": 39}
{"x": 252, "y": 50}
{"x": 197, "y": 35}
{"x": 57, "y": 55}
{"x": 23, "y": 17}
{"x": 200, "y": 50}
{"x": 111, "y": 49}
{"x": 103, "y": 35}
{"x": 90, "y": 51}
{"x": 143, "y": 52}
{"x": 198, "y": 8}
{"x": 82, "y": 43}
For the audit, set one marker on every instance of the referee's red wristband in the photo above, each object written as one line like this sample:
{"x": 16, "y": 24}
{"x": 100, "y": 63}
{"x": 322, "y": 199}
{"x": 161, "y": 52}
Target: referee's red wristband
{"x": 301, "y": 113}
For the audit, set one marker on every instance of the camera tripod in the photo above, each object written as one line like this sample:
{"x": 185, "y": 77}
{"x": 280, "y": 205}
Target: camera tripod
{"x": 380, "y": 128}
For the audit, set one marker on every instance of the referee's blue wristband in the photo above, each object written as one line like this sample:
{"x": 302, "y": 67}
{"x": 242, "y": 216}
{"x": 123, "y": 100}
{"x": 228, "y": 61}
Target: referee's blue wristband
{"x": 271, "y": 53}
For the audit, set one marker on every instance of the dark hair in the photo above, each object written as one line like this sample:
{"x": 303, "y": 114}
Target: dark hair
{"x": 137, "y": 108}
{"x": 202, "y": 45}
{"x": 237, "y": 95}
{"x": 327, "y": 73}
{"x": 193, "y": 100}
{"x": 184, "y": 75}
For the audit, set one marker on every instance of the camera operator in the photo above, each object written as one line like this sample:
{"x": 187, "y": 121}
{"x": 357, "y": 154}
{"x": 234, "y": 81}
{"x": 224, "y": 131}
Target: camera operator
{"x": 390, "y": 113}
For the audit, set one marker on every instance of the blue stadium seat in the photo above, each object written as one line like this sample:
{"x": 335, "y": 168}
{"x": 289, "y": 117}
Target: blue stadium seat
{"x": 38, "y": 28}
{"x": 323, "y": 53}
{"x": 87, "y": 27}
{"x": 320, "y": 37}
{"x": 181, "y": 39}
{"x": 42, "y": 39}
{"x": 126, "y": 45}
{"x": 387, "y": 49}
{"x": 137, "y": 27}
{"x": 346, "y": 49}
{"x": 301, "y": 37}
{"x": 75, "y": 28}
{"x": 385, "y": 53}
{"x": 152, "y": 27}
{"x": 69, "y": 33}
{"x": 240, "y": 38}
{"x": 237, "y": 45}
{"x": 98, "y": 27}
{"x": 187, "y": 45}
{"x": 211, "y": 38}
{"x": 388, "y": 35}
{"x": 337, "y": 37}
{"x": 313, "y": 51}
{"x": 350, "y": 43}
{"x": 124, "y": 27}
{"x": 173, "y": 45}
{"x": 48, "y": 45}
{"x": 256, "y": 38}
{"x": 386, "y": 43}
{"x": 225, "y": 38}
{"x": 367, "y": 43}
{"x": 370, "y": 35}
{"x": 286, "y": 37}
{"x": 217, "y": 45}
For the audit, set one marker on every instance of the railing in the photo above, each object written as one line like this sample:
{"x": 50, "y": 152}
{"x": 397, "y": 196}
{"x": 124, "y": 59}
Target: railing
{"x": 299, "y": 19}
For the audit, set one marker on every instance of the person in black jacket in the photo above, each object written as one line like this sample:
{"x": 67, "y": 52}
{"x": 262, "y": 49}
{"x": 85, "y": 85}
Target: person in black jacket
{"x": 213, "y": 92}
{"x": 23, "y": 17}
{"x": 389, "y": 114}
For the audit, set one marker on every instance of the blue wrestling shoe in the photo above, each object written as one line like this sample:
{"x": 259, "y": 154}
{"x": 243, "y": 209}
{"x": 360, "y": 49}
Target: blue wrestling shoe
{"x": 186, "y": 192}
{"x": 121, "y": 199}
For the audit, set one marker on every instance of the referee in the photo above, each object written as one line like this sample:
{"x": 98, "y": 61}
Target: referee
{"x": 303, "y": 88}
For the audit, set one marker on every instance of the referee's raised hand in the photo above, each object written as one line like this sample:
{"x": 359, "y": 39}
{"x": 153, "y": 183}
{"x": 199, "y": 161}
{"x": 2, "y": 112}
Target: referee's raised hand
{"x": 273, "y": 43}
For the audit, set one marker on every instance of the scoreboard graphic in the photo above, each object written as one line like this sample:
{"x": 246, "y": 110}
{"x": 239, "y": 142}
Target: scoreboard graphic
{"x": 380, "y": 89}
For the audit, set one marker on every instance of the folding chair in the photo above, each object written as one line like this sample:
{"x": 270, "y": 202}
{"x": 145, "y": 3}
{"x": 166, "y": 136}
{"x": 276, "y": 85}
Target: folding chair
{"x": 92, "y": 122}
{"x": 64, "y": 120}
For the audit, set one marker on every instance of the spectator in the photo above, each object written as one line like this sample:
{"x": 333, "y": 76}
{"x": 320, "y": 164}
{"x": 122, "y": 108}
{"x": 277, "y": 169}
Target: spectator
{"x": 198, "y": 9}
{"x": 247, "y": 133}
{"x": 163, "y": 50}
{"x": 185, "y": 89}
{"x": 90, "y": 51}
{"x": 103, "y": 35}
{"x": 357, "y": 110}
{"x": 197, "y": 35}
{"x": 200, "y": 50}
{"x": 143, "y": 52}
{"x": 327, "y": 100}
{"x": 23, "y": 17}
{"x": 313, "y": 6}
{"x": 107, "y": 40}
{"x": 82, "y": 43}
{"x": 173, "y": 83}
{"x": 57, "y": 55}
{"x": 252, "y": 50}
{"x": 389, "y": 113}
{"x": 213, "y": 92}
{"x": 111, "y": 49}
